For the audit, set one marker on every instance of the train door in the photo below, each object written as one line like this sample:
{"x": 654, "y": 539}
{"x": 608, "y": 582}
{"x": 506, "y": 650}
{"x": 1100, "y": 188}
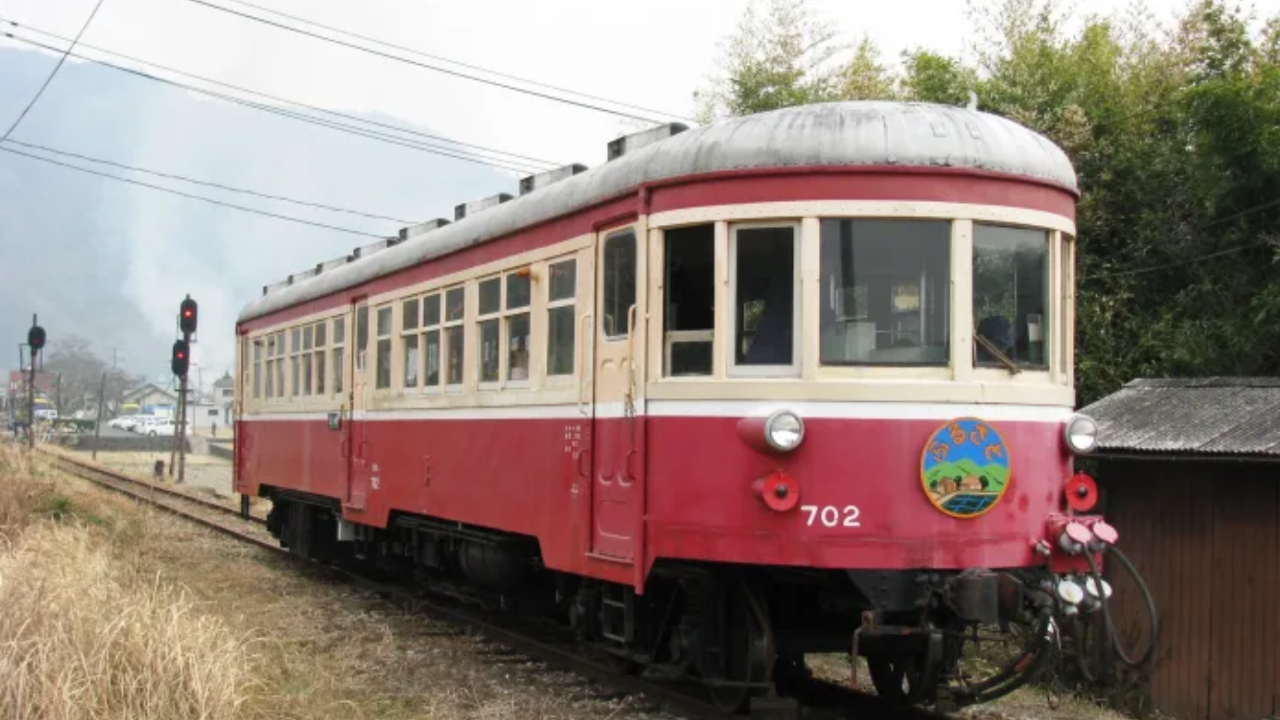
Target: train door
{"x": 356, "y": 373}
{"x": 617, "y": 434}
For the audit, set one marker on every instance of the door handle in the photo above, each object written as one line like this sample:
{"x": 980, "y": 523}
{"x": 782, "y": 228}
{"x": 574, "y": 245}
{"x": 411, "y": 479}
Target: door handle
{"x": 581, "y": 472}
{"x": 362, "y": 453}
{"x": 345, "y": 448}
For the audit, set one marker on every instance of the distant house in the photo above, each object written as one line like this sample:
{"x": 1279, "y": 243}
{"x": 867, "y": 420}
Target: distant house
{"x": 224, "y": 391}
{"x": 150, "y": 399}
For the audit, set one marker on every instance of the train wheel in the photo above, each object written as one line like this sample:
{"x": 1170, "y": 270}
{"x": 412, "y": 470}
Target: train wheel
{"x": 745, "y": 651}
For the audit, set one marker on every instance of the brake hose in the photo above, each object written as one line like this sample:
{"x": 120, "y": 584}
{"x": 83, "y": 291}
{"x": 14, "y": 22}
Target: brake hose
{"x": 1106, "y": 611}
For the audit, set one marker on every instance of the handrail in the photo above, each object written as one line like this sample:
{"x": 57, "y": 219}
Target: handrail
{"x": 584, "y": 365}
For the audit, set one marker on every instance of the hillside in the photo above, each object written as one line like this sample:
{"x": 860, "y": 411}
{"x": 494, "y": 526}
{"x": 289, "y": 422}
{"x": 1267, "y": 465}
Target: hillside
{"x": 110, "y": 262}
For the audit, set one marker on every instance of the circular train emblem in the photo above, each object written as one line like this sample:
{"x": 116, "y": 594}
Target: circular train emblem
{"x": 965, "y": 468}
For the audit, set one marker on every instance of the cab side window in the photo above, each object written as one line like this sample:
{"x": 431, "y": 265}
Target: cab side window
{"x": 619, "y": 283}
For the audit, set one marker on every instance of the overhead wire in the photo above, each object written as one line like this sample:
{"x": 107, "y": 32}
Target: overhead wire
{"x": 277, "y": 98}
{"x": 459, "y": 63}
{"x": 1198, "y": 258}
{"x": 56, "y": 68}
{"x": 201, "y": 198}
{"x": 427, "y": 66}
{"x": 515, "y": 166}
{"x": 220, "y": 186}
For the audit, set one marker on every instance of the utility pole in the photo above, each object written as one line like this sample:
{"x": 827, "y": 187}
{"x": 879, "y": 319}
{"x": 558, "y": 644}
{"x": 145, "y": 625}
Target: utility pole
{"x": 97, "y": 426}
{"x": 35, "y": 340}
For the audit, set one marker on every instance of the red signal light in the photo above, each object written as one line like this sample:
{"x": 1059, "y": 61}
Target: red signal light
{"x": 187, "y": 315}
{"x": 178, "y": 362}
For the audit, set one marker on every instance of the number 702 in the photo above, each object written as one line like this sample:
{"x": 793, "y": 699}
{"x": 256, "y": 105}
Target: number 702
{"x": 831, "y": 516}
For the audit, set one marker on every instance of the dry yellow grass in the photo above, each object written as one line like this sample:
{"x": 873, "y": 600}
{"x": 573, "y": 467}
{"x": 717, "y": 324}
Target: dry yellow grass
{"x": 84, "y": 635}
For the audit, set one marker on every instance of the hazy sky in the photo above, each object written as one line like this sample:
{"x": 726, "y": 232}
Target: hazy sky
{"x": 652, "y": 54}
{"x": 653, "y": 58}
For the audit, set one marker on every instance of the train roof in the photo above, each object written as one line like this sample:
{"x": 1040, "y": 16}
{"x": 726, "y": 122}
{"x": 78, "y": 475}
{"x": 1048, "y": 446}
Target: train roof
{"x": 844, "y": 134}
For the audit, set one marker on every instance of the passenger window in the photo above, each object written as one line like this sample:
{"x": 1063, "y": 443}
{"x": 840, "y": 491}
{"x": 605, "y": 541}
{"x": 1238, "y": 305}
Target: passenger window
{"x": 1010, "y": 295}
{"x": 306, "y": 360}
{"x": 454, "y": 312}
{"x": 431, "y": 340}
{"x": 382, "y": 359}
{"x": 689, "y": 317}
{"x": 517, "y": 326}
{"x": 362, "y": 336}
{"x": 561, "y": 317}
{"x": 280, "y": 364}
{"x": 339, "y": 337}
{"x": 409, "y": 337}
{"x": 295, "y": 347}
{"x": 319, "y": 356}
{"x": 765, "y": 306}
{"x": 885, "y": 292}
{"x": 619, "y": 283}
{"x": 490, "y": 305}
{"x": 257, "y": 369}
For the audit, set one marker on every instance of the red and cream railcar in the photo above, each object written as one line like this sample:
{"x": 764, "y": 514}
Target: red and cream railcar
{"x": 726, "y": 399}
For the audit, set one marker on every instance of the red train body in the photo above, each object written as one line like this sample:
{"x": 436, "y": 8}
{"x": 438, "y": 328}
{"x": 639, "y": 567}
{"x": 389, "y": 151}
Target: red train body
{"x": 735, "y": 374}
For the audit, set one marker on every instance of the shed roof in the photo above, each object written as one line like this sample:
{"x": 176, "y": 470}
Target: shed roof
{"x": 851, "y": 134}
{"x": 1191, "y": 416}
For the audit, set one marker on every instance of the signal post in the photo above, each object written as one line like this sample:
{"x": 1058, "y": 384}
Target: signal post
{"x": 179, "y": 362}
{"x": 35, "y": 341}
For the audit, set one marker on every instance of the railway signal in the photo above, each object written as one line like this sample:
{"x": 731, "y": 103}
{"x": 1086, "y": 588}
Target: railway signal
{"x": 181, "y": 358}
{"x": 35, "y": 340}
{"x": 187, "y": 316}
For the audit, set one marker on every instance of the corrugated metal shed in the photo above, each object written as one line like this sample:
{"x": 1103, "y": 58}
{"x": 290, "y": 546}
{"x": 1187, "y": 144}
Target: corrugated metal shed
{"x": 1205, "y": 536}
{"x": 1186, "y": 417}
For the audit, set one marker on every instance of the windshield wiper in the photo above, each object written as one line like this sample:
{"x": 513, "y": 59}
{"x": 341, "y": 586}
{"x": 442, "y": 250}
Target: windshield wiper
{"x": 990, "y": 347}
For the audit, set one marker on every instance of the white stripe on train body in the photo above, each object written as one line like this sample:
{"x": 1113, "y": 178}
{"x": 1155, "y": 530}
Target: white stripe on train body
{"x": 707, "y": 408}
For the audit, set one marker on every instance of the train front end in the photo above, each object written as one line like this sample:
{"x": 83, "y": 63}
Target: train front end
{"x": 862, "y": 407}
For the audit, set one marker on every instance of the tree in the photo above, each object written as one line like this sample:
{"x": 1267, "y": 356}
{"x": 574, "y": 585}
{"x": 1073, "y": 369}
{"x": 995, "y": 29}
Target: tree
{"x": 1174, "y": 134}
{"x": 776, "y": 60}
{"x": 79, "y": 376}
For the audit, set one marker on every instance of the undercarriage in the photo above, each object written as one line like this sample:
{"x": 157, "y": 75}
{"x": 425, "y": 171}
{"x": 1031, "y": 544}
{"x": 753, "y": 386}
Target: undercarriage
{"x": 744, "y": 632}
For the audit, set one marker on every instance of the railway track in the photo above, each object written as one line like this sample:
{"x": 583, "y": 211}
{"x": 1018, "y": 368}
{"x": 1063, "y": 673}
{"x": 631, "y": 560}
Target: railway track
{"x": 536, "y": 641}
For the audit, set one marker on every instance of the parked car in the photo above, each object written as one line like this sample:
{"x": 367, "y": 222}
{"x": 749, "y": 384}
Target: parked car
{"x": 124, "y": 422}
{"x": 165, "y": 428}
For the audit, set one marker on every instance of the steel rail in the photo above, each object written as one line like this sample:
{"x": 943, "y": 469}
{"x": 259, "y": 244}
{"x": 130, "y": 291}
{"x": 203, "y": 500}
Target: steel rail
{"x": 65, "y": 459}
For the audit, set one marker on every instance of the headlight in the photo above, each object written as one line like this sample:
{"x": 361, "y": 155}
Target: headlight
{"x": 784, "y": 430}
{"x": 1081, "y": 434}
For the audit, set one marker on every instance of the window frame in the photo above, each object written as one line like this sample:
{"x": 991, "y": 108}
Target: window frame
{"x": 445, "y": 346}
{"x": 504, "y": 332}
{"x": 426, "y": 326}
{"x": 338, "y": 356}
{"x": 600, "y": 332}
{"x": 1050, "y": 336}
{"x": 295, "y": 352}
{"x": 494, "y": 316}
{"x": 946, "y": 291}
{"x": 401, "y": 345}
{"x": 732, "y": 367}
{"x": 377, "y": 337}
{"x": 548, "y": 305}
{"x": 320, "y": 338}
{"x": 258, "y": 351}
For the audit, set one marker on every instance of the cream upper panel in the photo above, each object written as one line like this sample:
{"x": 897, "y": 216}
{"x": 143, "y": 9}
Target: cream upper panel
{"x": 1021, "y": 297}
{"x": 952, "y": 374}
